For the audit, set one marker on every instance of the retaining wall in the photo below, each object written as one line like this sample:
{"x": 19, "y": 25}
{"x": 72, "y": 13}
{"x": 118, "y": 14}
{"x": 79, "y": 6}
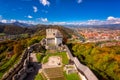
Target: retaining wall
{"x": 8, "y": 75}
{"x": 88, "y": 74}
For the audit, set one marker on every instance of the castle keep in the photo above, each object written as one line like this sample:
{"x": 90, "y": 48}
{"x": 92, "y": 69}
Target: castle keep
{"x": 53, "y": 38}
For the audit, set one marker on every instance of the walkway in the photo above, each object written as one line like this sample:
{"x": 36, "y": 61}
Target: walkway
{"x": 36, "y": 66}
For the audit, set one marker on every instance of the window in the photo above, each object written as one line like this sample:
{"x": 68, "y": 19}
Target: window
{"x": 53, "y": 33}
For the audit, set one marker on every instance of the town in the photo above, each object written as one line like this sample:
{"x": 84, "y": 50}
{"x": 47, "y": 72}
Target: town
{"x": 99, "y": 34}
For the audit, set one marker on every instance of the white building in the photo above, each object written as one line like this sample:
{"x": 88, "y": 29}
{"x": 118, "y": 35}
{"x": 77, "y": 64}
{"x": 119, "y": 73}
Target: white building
{"x": 53, "y": 37}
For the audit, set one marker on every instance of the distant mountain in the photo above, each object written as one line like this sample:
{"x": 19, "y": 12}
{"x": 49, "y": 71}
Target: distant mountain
{"x": 17, "y": 23}
{"x": 39, "y": 29}
{"x": 109, "y": 26}
{"x": 14, "y": 29}
{"x": 22, "y": 24}
{"x": 1, "y": 23}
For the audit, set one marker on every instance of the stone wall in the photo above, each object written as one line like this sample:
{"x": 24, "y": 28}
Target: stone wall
{"x": 20, "y": 70}
{"x": 84, "y": 70}
{"x": 17, "y": 67}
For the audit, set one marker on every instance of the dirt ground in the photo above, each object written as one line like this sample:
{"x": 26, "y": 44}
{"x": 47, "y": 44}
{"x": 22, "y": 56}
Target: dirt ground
{"x": 54, "y": 61}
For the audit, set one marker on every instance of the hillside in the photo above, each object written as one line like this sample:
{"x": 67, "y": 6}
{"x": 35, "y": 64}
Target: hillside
{"x": 11, "y": 50}
{"x": 14, "y": 29}
{"x": 103, "y": 61}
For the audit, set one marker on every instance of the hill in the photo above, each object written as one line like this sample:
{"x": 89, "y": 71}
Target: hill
{"x": 12, "y": 29}
{"x": 11, "y": 50}
{"x": 108, "y": 26}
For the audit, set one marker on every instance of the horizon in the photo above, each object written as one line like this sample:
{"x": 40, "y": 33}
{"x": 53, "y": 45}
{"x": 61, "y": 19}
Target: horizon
{"x": 61, "y": 12}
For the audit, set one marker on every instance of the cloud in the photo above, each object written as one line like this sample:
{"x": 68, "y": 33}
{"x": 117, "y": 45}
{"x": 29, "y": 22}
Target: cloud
{"x": 12, "y": 21}
{"x": 3, "y": 21}
{"x": 35, "y": 9}
{"x": 113, "y": 20}
{"x": 44, "y": 19}
{"x": 27, "y": 22}
{"x": 7, "y": 21}
{"x": 59, "y": 23}
{"x": 45, "y": 2}
{"x": 21, "y": 21}
{"x": 109, "y": 20}
{"x": 29, "y": 16}
{"x": 79, "y": 1}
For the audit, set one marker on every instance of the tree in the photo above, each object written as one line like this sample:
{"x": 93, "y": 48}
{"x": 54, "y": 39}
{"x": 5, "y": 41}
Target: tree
{"x": 18, "y": 48}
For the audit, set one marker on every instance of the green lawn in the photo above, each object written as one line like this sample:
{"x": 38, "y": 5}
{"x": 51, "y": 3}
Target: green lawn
{"x": 39, "y": 57}
{"x": 63, "y": 55}
{"x": 72, "y": 76}
{"x": 38, "y": 77}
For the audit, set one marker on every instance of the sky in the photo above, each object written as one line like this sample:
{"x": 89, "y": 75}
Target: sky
{"x": 60, "y": 11}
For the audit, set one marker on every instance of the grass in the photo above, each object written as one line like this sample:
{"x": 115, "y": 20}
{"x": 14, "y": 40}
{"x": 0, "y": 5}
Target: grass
{"x": 1, "y": 74}
{"x": 7, "y": 65}
{"x": 74, "y": 41}
{"x": 2, "y": 58}
{"x": 63, "y": 55}
{"x": 72, "y": 76}
{"x": 39, "y": 77}
{"x": 39, "y": 57}
{"x": 2, "y": 34}
{"x": 54, "y": 73}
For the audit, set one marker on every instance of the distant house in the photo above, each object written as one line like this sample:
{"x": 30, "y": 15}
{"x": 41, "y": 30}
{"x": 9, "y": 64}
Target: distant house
{"x": 53, "y": 37}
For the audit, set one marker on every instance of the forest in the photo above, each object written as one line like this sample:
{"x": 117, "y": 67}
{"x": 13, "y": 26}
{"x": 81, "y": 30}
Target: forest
{"x": 103, "y": 61}
{"x": 10, "y": 51}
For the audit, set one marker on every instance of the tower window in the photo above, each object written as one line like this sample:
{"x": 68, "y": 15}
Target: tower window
{"x": 53, "y": 33}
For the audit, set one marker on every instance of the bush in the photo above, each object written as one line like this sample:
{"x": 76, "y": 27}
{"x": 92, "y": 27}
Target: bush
{"x": 39, "y": 57}
{"x": 38, "y": 77}
{"x": 104, "y": 60}
{"x": 72, "y": 76}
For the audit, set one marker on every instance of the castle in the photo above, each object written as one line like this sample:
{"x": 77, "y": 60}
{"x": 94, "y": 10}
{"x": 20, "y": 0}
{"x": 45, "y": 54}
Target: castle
{"x": 53, "y": 38}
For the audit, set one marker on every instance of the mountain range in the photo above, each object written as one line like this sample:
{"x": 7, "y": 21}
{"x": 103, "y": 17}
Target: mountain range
{"x": 17, "y": 23}
{"x": 112, "y": 26}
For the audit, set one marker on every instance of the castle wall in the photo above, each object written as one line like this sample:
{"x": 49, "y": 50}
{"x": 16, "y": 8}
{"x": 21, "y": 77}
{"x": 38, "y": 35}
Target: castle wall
{"x": 58, "y": 41}
{"x": 20, "y": 70}
{"x": 85, "y": 71}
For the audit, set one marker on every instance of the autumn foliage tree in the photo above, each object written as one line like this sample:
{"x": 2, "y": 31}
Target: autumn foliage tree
{"x": 18, "y": 48}
{"x": 105, "y": 61}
